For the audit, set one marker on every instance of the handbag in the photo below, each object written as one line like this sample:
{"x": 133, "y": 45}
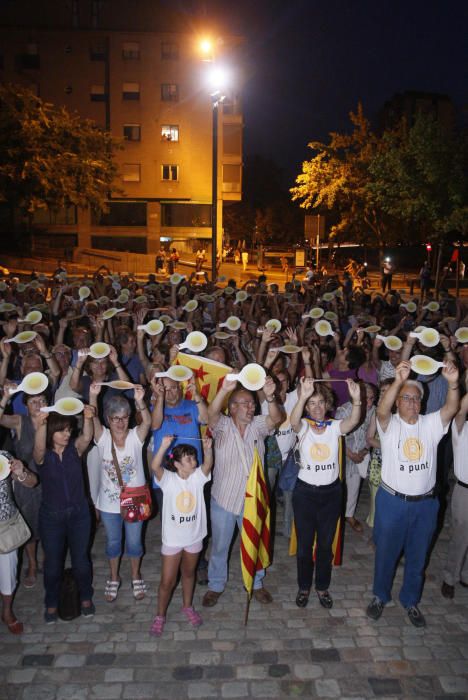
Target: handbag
{"x": 69, "y": 606}
{"x": 135, "y": 501}
{"x": 289, "y": 471}
{"x": 13, "y": 533}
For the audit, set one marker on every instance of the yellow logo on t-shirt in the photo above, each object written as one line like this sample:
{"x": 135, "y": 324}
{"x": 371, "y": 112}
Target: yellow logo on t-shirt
{"x": 319, "y": 451}
{"x": 185, "y": 502}
{"x": 412, "y": 449}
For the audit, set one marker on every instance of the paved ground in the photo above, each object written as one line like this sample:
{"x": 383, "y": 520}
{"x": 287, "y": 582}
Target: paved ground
{"x": 283, "y": 652}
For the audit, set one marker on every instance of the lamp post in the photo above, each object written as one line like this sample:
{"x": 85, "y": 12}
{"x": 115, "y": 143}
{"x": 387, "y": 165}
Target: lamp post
{"x": 216, "y": 98}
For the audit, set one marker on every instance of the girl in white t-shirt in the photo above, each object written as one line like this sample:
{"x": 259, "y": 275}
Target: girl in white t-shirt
{"x": 184, "y": 523}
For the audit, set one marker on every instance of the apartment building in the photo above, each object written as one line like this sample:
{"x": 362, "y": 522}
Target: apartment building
{"x": 137, "y": 70}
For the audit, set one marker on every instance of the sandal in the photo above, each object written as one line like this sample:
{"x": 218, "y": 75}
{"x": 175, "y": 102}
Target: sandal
{"x": 192, "y": 616}
{"x": 157, "y": 627}
{"x": 139, "y": 588}
{"x": 111, "y": 590}
{"x": 15, "y": 627}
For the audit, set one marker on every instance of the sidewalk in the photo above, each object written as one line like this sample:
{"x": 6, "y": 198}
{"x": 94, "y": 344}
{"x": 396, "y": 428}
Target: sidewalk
{"x": 283, "y": 652}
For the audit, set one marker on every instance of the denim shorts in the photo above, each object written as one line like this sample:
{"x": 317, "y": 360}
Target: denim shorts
{"x": 113, "y": 526}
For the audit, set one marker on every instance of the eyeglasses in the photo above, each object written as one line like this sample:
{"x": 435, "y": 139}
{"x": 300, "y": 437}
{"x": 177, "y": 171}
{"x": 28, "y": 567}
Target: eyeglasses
{"x": 408, "y": 398}
{"x": 118, "y": 419}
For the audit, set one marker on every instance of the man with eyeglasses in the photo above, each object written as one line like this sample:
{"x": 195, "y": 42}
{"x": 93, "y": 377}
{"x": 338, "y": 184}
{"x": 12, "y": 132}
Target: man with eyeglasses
{"x": 406, "y": 509}
{"x": 235, "y": 438}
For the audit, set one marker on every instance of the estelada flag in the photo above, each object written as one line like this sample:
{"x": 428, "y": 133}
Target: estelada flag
{"x": 255, "y": 535}
{"x": 337, "y": 546}
{"x": 208, "y": 373}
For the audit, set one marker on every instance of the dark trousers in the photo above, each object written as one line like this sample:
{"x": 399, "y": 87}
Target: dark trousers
{"x": 59, "y": 528}
{"x": 386, "y": 282}
{"x": 316, "y": 512}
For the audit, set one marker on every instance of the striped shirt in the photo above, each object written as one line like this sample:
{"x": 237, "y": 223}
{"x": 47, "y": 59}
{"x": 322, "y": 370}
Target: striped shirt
{"x": 234, "y": 458}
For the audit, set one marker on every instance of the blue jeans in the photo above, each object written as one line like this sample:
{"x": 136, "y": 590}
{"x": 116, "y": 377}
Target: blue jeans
{"x": 223, "y": 525}
{"x": 113, "y": 526}
{"x": 59, "y": 528}
{"x": 402, "y": 526}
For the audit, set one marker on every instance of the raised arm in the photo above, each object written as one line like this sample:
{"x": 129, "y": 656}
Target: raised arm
{"x": 157, "y": 415}
{"x": 156, "y": 464}
{"x": 452, "y": 402}
{"x": 349, "y": 423}
{"x": 40, "y": 438}
{"x": 142, "y": 408}
{"x": 207, "y": 465}
{"x": 199, "y": 400}
{"x": 216, "y": 406}
{"x": 306, "y": 390}
{"x": 94, "y": 391}
{"x": 276, "y": 414}
{"x": 461, "y": 415}
{"x": 86, "y": 435}
{"x": 384, "y": 409}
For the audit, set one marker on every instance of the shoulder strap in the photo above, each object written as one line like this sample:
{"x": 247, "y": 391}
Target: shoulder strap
{"x": 116, "y": 465}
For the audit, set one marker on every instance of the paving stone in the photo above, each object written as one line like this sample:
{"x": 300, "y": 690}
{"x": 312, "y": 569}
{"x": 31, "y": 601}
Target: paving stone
{"x": 187, "y": 673}
{"x": 265, "y": 689}
{"x": 221, "y": 671}
{"x": 38, "y": 660}
{"x": 204, "y": 658}
{"x": 235, "y": 689}
{"x": 138, "y": 691}
{"x": 106, "y": 691}
{"x": 21, "y": 675}
{"x": 70, "y": 660}
{"x": 451, "y": 684}
{"x": 327, "y": 688}
{"x": 251, "y": 671}
{"x": 265, "y": 657}
{"x": 420, "y": 686}
{"x": 279, "y": 670}
{"x": 307, "y": 671}
{"x": 324, "y": 655}
{"x": 120, "y": 674}
{"x": 100, "y": 659}
{"x": 385, "y": 686}
{"x": 73, "y": 691}
{"x": 40, "y": 692}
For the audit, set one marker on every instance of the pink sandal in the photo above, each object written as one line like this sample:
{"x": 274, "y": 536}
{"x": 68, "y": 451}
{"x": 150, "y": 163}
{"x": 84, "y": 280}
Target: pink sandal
{"x": 157, "y": 627}
{"x": 192, "y": 616}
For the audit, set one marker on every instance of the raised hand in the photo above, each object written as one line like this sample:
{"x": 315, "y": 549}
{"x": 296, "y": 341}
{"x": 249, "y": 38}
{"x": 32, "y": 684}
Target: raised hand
{"x": 89, "y": 411}
{"x": 403, "y": 371}
{"x": 166, "y": 441}
{"x": 138, "y": 392}
{"x": 269, "y": 388}
{"x": 354, "y": 390}
{"x": 307, "y": 387}
{"x": 450, "y": 373}
{"x": 94, "y": 389}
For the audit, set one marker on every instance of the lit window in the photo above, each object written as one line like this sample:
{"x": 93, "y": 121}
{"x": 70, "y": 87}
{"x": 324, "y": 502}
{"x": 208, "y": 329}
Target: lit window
{"x": 131, "y": 50}
{"x": 170, "y": 172}
{"x": 131, "y": 91}
{"x": 170, "y": 132}
{"x": 98, "y": 93}
{"x": 169, "y": 92}
{"x": 131, "y": 172}
{"x": 169, "y": 50}
{"x": 132, "y": 132}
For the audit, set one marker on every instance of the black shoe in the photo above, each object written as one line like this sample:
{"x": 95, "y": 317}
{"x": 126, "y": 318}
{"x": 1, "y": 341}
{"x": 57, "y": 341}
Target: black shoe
{"x": 302, "y": 599}
{"x": 375, "y": 608}
{"x": 325, "y": 599}
{"x": 202, "y": 576}
{"x": 88, "y": 610}
{"x": 447, "y": 590}
{"x": 415, "y": 616}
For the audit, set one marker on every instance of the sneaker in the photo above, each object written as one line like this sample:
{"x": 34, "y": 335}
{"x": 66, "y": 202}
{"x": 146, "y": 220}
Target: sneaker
{"x": 415, "y": 616}
{"x": 88, "y": 610}
{"x": 50, "y": 618}
{"x": 375, "y": 608}
{"x": 157, "y": 626}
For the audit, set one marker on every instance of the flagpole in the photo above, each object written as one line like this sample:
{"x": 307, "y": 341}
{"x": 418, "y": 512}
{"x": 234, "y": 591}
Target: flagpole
{"x": 247, "y": 608}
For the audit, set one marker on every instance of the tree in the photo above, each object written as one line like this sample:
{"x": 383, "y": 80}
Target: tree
{"x": 50, "y": 158}
{"x": 419, "y": 175}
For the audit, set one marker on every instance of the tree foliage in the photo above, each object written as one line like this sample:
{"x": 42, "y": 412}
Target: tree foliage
{"x": 407, "y": 182}
{"x": 50, "y": 158}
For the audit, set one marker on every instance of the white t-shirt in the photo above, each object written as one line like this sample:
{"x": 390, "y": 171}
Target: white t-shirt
{"x": 130, "y": 460}
{"x": 409, "y": 453}
{"x": 184, "y": 511}
{"x": 319, "y": 454}
{"x": 386, "y": 371}
{"x": 285, "y": 435}
{"x": 460, "y": 450}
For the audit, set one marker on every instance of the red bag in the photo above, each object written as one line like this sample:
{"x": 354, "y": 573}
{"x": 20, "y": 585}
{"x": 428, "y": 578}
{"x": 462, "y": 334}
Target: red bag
{"x": 135, "y": 501}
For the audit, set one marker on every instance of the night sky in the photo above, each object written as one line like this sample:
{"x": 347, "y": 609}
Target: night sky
{"x": 307, "y": 63}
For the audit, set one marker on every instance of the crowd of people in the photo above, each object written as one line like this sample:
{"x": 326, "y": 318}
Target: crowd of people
{"x": 354, "y": 390}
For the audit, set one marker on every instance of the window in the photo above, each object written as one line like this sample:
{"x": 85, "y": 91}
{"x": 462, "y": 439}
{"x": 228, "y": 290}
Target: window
{"x": 131, "y": 172}
{"x": 170, "y": 132}
{"x": 232, "y": 139}
{"x": 30, "y": 59}
{"x": 169, "y": 92}
{"x": 170, "y": 172}
{"x": 131, "y": 91}
{"x": 169, "y": 50}
{"x": 131, "y": 50}
{"x": 98, "y": 93}
{"x": 122, "y": 214}
{"x": 97, "y": 52}
{"x": 132, "y": 132}
{"x": 135, "y": 244}
{"x": 232, "y": 178}
{"x": 175, "y": 214}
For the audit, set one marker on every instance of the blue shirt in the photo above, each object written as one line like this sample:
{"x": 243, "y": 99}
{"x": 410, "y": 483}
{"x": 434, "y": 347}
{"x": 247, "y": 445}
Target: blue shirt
{"x": 183, "y": 422}
{"x": 62, "y": 479}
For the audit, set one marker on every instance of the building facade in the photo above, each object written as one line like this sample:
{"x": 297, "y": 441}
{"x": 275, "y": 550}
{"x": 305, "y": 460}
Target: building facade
{"x": 140, "y": 74}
